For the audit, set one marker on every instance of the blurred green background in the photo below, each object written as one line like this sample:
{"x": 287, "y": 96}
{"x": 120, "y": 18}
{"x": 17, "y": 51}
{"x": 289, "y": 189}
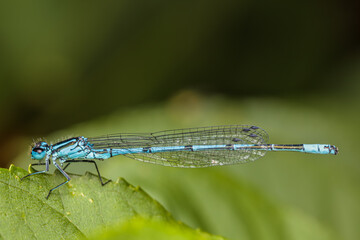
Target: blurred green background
{"x": 293, "y": 68}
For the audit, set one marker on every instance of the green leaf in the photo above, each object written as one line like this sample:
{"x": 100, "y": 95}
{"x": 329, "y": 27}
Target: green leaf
{"x": 74, "y": 210}
{"x": 139, "y": 228}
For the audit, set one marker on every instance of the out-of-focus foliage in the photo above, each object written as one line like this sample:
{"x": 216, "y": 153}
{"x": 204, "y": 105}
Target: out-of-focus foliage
{"x": 139, "y": 228}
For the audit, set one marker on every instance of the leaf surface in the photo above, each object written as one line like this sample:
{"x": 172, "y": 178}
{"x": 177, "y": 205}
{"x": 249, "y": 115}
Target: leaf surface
{"x": 72, "y": 211}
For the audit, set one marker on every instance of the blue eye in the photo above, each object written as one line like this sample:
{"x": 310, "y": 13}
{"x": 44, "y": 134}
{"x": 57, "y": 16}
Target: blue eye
{"x": 39, "y": 150}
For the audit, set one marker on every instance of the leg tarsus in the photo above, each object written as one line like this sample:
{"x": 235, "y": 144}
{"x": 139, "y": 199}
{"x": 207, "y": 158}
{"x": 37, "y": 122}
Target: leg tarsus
{"x": 46, "y": 168}
{"x": 50, "y": 191}
{"x": 44, "y": 171}
{"x": 103, "y": 184}
{"x": 38, "y": 172}
{"x": 63, "y": 173}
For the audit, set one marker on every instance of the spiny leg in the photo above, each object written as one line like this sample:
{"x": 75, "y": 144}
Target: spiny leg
{"x": 34, "y": 164}
{"x": 44, "y": 171}
{"x": 63, "y": 173}
{"x": 89, "y": 161}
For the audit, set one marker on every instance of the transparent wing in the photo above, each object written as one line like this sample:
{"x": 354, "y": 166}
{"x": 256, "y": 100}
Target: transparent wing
{"x": 216, "y": 135}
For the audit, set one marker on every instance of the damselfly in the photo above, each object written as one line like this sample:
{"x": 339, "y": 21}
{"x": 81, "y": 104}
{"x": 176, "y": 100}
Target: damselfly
{"x": 187, "y": 148}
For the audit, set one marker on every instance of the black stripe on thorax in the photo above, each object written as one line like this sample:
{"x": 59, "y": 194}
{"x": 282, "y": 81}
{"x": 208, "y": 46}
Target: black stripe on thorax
{"x": 71, "y": 141}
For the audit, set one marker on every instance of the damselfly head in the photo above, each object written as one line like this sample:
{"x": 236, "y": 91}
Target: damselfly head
{"x": 38, "y": 152}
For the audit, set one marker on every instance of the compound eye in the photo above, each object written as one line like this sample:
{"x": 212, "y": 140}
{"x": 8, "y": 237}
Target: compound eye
{"x": 38, "y": 150}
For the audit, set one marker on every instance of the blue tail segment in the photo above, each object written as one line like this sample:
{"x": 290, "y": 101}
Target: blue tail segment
{"x": 321, "y": 149}
{"x": 190, "y": 148}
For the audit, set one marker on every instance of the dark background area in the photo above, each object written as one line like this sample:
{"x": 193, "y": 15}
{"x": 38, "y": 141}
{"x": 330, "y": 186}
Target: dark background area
{"x": 68, "y": 62}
